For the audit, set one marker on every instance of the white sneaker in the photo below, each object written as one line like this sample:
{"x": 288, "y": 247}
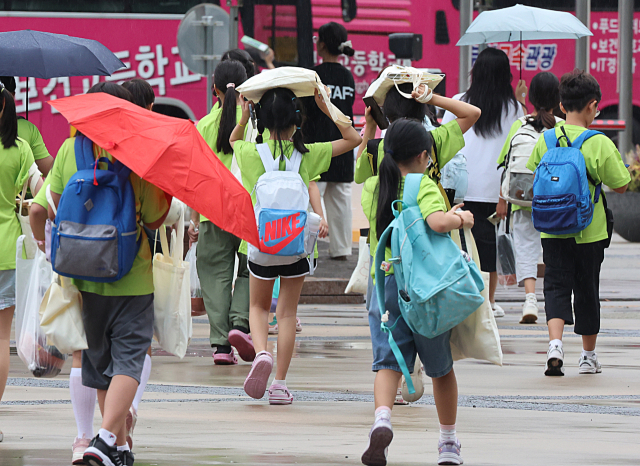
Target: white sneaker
{"x": 530, "y": 309}
{"x": 379, "y": 439}
{"x": 418, "y": 384}
{"x": 497, "y": 310}
{"x": 555, "y": 360}
{"x": 589, "y": 365}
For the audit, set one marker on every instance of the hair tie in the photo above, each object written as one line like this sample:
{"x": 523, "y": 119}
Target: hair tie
{"x": 233, "y": 85}
{"x": 297, "y": 111}
{"x": 345, "y": 44}
{"x": 298, "y": 128}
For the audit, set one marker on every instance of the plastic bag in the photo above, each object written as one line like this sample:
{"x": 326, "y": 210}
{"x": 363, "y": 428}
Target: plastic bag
{"x": 61, "y": 316}
{"x": 455, "y": 177}
{"x": 360, "y": 275}
{"x": 197, "y": 301}
{"x": 172, "y": 296}
{"x": 506, "y": 260}
{"x": 33, "y": 277}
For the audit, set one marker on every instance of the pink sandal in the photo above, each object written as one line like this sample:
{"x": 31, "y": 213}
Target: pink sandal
{"x": 256, "y": 382}
{"x": 243, "y": 343}
{"x": 225, "y": 359}
{"x": 279, "y": 395}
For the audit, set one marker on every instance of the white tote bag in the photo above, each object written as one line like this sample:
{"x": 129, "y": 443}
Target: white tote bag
{"x": 477, "y": 336}
{"x": 172, "y": 296}
{"x": 360, "y": 275}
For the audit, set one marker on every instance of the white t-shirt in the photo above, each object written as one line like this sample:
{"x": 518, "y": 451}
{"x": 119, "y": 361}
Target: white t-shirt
{"x": 481, "y": 154}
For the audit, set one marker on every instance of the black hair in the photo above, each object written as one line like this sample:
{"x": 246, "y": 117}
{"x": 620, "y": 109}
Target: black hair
{"x": 491, "y": 91}
{"x": 578, "y": 89}
{"x": 227, "y": 76}
{"x": 9, "y": 120}
{"x": 333, "y": 35}
{"x": 9, "y": 83}
{"x": 243, "y": 57}
{"x": 397, "y": 106}
{"x": 544, "y": 94}
{"x": 141, "y": 91}
{"x": 279, "y": 109}
{"x": 405, "y": 139}
{"x": 113, "y": 89}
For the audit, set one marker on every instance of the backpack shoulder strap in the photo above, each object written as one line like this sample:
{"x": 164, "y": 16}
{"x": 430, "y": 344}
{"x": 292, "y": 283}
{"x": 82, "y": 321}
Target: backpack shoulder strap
{"x": 293, "y": 164}
{"x": 583, "y": 137}
{"x": 83, "y": 149}
{"x": 551, "y": 139}
{"x": 411, "y": 188}
{"x": 267, "y": 157}
{"x": 373, "y": 146}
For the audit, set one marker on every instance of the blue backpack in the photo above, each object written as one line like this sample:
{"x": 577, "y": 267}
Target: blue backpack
{"x": 561, "y": 198}
{"x": 438, "y": 284}
{"x": 94, "y": 235}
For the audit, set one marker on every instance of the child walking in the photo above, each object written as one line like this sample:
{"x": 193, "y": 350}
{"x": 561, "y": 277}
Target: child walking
{"x": 407, "y": 146}
{"x": 544, "y": 95}
{"x": 227, "y": 305}
{"x": 573, "y": 261}
{"x": 279, "y": 111}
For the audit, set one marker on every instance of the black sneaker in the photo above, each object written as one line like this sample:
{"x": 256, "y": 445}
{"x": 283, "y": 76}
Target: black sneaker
{"x": 101, "y": 454}
{"x": 127, "y": 457}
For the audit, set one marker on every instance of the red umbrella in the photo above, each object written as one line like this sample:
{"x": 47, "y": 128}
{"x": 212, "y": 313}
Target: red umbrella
{"x": 167, "y": 152}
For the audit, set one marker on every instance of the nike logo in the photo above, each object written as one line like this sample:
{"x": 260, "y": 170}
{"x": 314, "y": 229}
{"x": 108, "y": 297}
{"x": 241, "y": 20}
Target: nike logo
{"x": 282, "y": 231}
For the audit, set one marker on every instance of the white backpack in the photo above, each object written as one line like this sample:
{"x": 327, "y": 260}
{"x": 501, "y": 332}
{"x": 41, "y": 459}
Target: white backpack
{"x": 288, "y": 232}
{"x": 517, "y": 179}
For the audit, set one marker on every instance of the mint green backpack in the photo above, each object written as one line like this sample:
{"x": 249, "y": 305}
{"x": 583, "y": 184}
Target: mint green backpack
{"x": 438, "y": 284}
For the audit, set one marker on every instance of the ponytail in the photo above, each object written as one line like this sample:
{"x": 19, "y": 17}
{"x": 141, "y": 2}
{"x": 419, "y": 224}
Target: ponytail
{"x": 544, "y": 94}
{"x": 543, "y": 120}
{"x": 334, "y": 37}
{"x": 389, "y": 181}
{"x": 9, "y": 120}
{"x": 227, "y": 76}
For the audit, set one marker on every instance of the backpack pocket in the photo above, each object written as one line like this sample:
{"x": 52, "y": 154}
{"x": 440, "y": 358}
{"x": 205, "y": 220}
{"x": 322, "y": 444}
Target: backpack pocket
{"x": 282, "y": 231}
{"x": 552, "y": 214}
{"x": 73, "y": 243}
{"x": 521, "y": 188}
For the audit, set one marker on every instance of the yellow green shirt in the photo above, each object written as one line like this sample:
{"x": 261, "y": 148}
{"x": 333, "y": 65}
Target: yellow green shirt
{"x": 30, "y": 133}
{"x": 604, "y": 164}
{"x": 447, "y": 139}
{"x": 14, "y": 171}
{"x": 505, "y": 150}
{"x": 41, "y": 197}
{"x": 151, "y": 205}
{"x": 430, "y": 200}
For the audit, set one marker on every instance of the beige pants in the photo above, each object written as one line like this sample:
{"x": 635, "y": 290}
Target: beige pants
{"x": 337, "y": 203}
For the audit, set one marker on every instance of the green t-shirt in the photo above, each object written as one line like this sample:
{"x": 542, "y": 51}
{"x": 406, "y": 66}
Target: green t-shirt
{"x": 314, "y": 163}
{"x": 430, "y": 200}
{"x": 604, "y": 164}
{"x": 447, "y": 139}
{"x": 151, "y": 205}
{"x": 15, "y": 163}
{"x": 30, "y": 133}
{"x": 41, "y": 197}
{"x": 507, "y": 145}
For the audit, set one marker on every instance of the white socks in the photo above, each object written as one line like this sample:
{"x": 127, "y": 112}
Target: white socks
{"x": 144, "y": 378}
{"x": 279, "y": 382}
{"x": 531, "y": 297}
{"x": 124, "y": 447}
{"x": 383, "y": 412}
{"x": 555, "y": 343}
{"x": 589, "y": 354}
{"x": 448, "y": 433}
{"x": 108, "y": 437}
{"x": 83, "y": 400}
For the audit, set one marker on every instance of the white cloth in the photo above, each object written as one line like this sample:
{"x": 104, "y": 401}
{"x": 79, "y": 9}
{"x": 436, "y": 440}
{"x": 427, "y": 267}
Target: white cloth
{"x": 337, "y": 203}
{"x": 527, "y": 244}
{"x": 482, "y": 154}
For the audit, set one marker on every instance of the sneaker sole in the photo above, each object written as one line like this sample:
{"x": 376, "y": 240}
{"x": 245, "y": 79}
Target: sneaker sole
{"x": 498, "y": 315}
{"x": 78, "y": 461}
{"x": 256, "y": 383}
{"x": 529, "y": 319}
{"x": 378, "y": 442}
{"x": 554, "y": 368}
{"x": 280, "y": 401}
{"x": 94, "y": 460}
{"x": 590, "y": 371}
{"x": 243, "y": 344}
{"x": 450, "y": 458}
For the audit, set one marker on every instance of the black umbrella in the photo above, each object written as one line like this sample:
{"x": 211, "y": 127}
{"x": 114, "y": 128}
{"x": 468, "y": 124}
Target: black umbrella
{"x": 45, "y": 55}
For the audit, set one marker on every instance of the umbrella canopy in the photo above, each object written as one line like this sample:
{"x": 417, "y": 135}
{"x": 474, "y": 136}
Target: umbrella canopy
{"x": 167, "y": 152}
{"x": 45, "y": 55}
{"x": 521, "y": 22}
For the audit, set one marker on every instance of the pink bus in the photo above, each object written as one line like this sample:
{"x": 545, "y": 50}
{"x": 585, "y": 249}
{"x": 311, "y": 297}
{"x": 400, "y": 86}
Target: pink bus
{"x": 143, "y": 34}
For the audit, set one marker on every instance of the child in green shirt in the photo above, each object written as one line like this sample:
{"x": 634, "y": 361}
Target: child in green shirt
{"x": 573, "y": 261}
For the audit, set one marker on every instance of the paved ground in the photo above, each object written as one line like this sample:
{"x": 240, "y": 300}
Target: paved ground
{"x": 196, "y": 414}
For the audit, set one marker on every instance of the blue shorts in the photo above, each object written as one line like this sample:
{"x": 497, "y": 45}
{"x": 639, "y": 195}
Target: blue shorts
{"x": 435, "y": 353}
{"x": 7, "y": 288}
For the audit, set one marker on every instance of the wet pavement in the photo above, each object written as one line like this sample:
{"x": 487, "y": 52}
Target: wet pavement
{"x": 194, "y": 413}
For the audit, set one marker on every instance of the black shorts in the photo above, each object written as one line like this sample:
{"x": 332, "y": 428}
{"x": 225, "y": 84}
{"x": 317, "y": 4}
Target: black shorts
{"x": 484, "y": 232}
{"x": 271, "y": 272}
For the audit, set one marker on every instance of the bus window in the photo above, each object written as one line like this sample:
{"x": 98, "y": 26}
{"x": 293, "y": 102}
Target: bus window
{"x": 166, "y": 6}
{"x": 99, "y": 6}
{"x": 442, "y": 29}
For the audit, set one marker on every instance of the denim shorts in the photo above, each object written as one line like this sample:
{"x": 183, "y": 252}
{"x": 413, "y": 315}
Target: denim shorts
{"x": 435, "y": 353}
{"x": 7, "y": 288}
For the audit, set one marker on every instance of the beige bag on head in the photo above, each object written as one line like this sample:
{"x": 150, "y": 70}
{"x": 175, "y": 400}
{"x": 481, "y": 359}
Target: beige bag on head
{"x": 61, "y": 316}
{"x": 172, "y": 295}
{"x": 395, "y": 75}
{"x": 302, "y": 82}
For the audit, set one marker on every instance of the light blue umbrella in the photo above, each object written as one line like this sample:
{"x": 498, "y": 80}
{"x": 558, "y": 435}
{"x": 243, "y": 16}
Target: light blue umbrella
{"x": 519, "y": 23}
